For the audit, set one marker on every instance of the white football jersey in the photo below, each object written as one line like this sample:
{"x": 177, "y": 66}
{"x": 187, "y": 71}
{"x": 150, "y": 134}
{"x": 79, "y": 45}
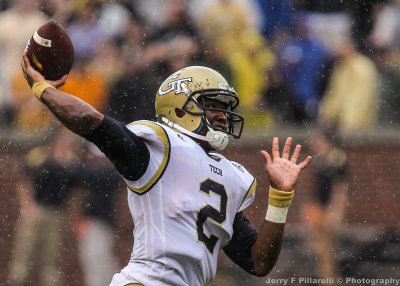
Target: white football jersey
{"x": 183, "y": 208}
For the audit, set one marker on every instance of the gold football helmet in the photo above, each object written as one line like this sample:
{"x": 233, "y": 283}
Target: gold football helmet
{"x": 180, "y": 104}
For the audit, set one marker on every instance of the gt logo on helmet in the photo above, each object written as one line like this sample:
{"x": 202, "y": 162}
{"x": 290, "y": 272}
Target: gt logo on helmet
{"x": 175, "y": 85}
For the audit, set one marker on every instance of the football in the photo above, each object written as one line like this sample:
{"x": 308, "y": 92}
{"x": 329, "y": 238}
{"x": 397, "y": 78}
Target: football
{"x": 50, "y": 51}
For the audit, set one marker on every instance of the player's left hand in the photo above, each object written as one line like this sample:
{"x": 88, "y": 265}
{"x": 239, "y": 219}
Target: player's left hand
{"x": 282, "y": 171}
{"x": 32, "y": 76}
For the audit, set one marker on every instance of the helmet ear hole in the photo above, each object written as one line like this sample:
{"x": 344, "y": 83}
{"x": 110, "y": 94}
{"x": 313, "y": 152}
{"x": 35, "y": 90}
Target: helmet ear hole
{"x": 179, "y": 112}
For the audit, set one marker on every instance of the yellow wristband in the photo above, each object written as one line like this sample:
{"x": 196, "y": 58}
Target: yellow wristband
{"x": 280, "y": 198}
{"x": 39, "y": 87}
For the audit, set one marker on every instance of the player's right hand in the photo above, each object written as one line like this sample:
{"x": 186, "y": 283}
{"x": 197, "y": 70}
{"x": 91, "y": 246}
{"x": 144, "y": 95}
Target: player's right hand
{"x": 32, "y": 76}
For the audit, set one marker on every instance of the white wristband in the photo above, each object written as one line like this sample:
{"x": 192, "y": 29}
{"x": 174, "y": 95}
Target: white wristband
{"x": 276, "y": 214}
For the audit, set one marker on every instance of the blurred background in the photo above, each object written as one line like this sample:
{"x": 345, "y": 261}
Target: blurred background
{"x": 325, "y": 72}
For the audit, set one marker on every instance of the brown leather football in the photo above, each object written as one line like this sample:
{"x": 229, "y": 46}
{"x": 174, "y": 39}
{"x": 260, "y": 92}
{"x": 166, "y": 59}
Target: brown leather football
{"x": 50, "y": 51}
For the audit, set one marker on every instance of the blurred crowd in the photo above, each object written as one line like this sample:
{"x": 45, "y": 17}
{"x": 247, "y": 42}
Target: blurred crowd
{"x": 65, "y": 169}
{"x": 291, "y": 62}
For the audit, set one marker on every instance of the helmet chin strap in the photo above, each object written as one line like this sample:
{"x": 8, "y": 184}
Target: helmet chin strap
{"x": 217, "y": 139}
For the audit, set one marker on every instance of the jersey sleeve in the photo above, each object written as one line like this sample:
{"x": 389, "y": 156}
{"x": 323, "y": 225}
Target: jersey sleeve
{"x": 250, "y": 184}
{"x": 249, "y": 196}
{"x": 125, "y": 149}
{"x": 157, "y": 142}
{"x": 243, "y": 238}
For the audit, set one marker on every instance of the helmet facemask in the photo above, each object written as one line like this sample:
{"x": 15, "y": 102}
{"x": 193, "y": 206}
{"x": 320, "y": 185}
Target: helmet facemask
{"x": 228, "y": 98}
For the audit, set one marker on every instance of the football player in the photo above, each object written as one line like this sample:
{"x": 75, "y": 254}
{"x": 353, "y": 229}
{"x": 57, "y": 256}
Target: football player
{"x": 186, "y": 200}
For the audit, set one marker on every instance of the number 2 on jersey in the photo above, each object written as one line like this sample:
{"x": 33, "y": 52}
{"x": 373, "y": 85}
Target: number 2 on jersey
{"x": 208, "y": 212}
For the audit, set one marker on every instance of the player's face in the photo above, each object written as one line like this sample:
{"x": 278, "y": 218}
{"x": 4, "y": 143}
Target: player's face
{"x": 216, "y": 118}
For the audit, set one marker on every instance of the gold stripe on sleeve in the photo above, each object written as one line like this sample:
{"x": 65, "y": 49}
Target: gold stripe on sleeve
{"x": 163, "y": 137}
{"x": 251, "y": 190}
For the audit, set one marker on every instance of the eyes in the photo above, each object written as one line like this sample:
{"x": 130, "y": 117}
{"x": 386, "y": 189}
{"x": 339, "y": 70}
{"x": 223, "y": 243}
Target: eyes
{"x": 214, "y": 104}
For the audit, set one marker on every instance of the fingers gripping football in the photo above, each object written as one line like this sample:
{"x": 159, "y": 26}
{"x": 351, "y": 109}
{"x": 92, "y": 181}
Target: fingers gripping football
{"x": 32, "y": 76}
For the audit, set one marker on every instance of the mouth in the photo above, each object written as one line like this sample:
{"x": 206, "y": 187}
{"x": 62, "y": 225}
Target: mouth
{"x": 220, "y": 127}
